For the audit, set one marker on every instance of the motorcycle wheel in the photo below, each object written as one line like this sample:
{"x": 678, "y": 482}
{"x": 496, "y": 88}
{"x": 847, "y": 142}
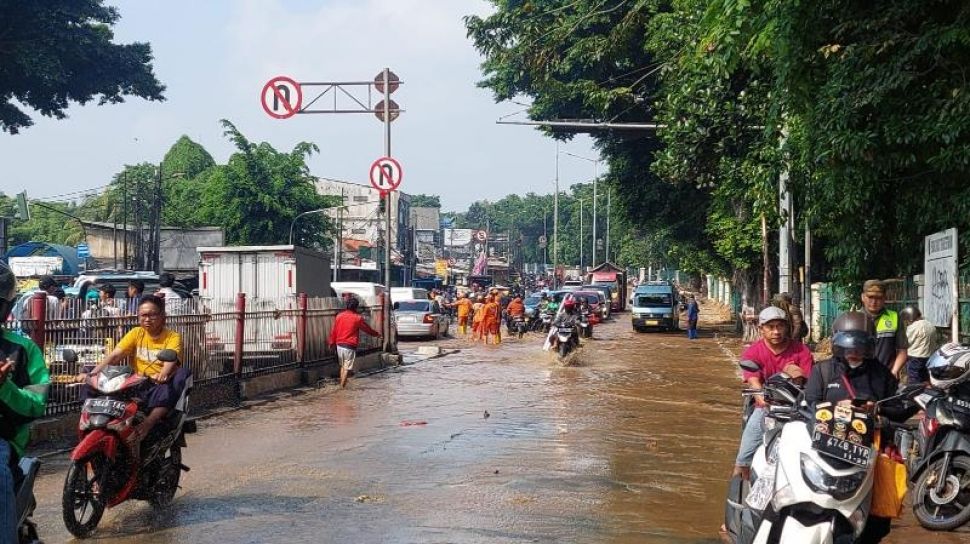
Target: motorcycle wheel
{"x": 563, "y": 350}
{"x": 168, "y": 478}
{"x": 950, "y": 511}
{"x": 82, "y": 495}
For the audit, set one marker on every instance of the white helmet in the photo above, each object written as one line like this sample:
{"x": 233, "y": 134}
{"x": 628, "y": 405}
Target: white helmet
{"x": 949, "y": 365}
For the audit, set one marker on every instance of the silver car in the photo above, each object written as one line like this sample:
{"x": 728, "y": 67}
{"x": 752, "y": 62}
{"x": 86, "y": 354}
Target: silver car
{"x": 419, "y": 318}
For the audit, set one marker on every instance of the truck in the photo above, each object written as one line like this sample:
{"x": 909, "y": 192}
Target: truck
{"x": 614, "y": 277}
{"x": 271, "y": 277}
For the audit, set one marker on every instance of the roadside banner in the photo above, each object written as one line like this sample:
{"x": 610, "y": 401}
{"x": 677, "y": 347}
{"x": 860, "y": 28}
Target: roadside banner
{"x": 940, "y": 278}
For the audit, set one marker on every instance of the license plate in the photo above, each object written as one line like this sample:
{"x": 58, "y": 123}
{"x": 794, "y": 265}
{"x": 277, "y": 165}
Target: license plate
{"x": 850, "y": 452}
{"x": 406, "y": 319}
{"x": 113, "y": 408}
{"x": 652, "y": 322}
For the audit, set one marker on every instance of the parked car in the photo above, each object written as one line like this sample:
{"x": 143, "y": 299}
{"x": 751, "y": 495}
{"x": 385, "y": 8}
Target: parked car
{"x": 368, "y": 293}
{"x": 607, "y": 292}
{"x": 571, "y": 285}
{"x": 419, "y": 318}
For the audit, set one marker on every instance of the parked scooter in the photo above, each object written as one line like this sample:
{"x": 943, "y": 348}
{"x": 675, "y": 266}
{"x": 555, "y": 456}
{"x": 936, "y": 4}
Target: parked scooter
{"x": 940, "y": 459}
{"x": 810, "y": 480}
{"x": 108, "y": 467}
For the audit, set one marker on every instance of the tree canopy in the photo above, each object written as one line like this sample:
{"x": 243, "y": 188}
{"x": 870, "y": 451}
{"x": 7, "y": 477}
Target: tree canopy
{"x": 864, "y": 106}
{"x": 60, "y": 51}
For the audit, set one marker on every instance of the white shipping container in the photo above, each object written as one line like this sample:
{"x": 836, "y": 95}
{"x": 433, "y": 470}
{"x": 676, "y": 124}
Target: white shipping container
{"x": 272, "y": 277}
{"x": 266, "y": 274}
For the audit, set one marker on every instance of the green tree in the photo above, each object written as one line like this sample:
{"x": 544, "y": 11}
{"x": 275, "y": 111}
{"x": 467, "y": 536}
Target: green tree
{"x": 425, "y": 201}
{"x": 258, "y": 194}
{"x": 61, "y": 51}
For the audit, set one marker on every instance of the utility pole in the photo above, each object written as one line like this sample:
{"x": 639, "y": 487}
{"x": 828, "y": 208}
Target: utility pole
{"x": 388, "y": 344}
{"x": 786, "y": 232}
{"x": 157, "y": 229}
{"x": 555, "y": 225}
{"x": 581, "y": 241}
{"x": 609, "y": 210}
{"x": 595, "y": 195}
{"x": 124, "y": 213}
{"x": 339, "y": 250}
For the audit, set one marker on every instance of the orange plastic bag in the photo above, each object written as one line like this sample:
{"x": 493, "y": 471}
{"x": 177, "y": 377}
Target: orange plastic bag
{"x": 888, "y": 487}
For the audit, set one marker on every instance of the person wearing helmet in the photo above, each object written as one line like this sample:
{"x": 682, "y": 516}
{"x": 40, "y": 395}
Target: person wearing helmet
{"x": 853, "y": 375}
{"x": 24, "y": 382}
{"x": 890, "y": 333}
{"x": 565, "y": 318}
{"x": 774, "y": 352}
{"x": 922, "y": 338}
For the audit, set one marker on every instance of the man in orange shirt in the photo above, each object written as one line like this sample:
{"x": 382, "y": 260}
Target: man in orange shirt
{"x": 464, "y": 307}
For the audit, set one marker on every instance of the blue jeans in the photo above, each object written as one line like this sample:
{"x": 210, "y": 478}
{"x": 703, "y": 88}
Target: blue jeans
{"x": 751, "y": 438}
{"x": 8, "y": 500}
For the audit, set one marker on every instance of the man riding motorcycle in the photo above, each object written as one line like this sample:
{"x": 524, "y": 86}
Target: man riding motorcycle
{"x": 853, "y": 375}
{"x": 565, "y": 319}
{"x": 142, "y": 344}
{"x": 515, "y": 310}
{"x": 24, "y": 382}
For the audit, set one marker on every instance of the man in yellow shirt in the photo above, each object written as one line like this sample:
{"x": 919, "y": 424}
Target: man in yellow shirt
{"x": 141, "y": 346}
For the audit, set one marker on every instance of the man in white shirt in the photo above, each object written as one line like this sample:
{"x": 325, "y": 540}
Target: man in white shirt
{"x": 922, "y": 337}
{"x": 173, "y": 300}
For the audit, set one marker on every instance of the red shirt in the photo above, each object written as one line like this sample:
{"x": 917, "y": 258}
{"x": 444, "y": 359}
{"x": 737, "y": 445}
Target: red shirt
{"x": 771, "y": 364}
{"x": 346, "y": 329}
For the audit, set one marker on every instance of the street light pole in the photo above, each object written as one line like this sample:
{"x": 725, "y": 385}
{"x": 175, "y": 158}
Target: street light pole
{"x": 596, "y": 165}
{"x": 293, "y": 223}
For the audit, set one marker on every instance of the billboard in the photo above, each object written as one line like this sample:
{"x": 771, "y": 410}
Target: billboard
{"x": 457, "y": 237}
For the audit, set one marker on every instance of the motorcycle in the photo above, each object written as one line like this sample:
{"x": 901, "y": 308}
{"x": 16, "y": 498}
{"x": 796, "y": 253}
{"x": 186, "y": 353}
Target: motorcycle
{"x": 545, "y": 320}
{"x": 812, "y": 476}
{"x": 585, "y": 326}
{"x": 565, "y": 337}
{"x": 108, "y": 466}
{"x": 940, "y": 460}
{"x": 26, "y": 503}
{"x": 517, "y": 325}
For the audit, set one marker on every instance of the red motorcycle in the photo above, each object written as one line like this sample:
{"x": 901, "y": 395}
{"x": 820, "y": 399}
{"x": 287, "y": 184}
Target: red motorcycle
{"x": 109, "y": 466}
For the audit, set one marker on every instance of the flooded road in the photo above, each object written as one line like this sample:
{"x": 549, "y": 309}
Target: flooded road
{"x": 491, "y": 444}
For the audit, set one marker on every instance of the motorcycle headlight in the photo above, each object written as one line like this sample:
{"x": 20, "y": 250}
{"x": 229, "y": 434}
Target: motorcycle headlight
{"x": 839, "y": 487}
{"x": 110, "y": 385}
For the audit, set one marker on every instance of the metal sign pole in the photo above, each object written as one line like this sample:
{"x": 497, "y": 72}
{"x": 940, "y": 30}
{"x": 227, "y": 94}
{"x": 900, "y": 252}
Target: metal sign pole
{"x": 387, "y": 209}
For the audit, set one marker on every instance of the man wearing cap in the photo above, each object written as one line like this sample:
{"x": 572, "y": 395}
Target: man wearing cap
{"x": 775, "y": 352}
{"x": 891, "y": 342}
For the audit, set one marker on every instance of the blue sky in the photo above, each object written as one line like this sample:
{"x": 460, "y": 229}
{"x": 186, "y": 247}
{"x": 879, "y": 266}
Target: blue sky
{"x": 215, "y": 56}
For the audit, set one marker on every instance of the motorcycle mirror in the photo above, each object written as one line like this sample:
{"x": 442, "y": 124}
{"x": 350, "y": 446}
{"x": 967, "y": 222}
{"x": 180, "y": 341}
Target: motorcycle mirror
{"x": 750, "y": 366}
{"x": 70, "y": 356}
{"x": 168, "y": 356}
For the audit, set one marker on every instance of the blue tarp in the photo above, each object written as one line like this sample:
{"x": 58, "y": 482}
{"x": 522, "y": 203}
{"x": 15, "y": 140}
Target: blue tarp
{"x": 43, "y": 249}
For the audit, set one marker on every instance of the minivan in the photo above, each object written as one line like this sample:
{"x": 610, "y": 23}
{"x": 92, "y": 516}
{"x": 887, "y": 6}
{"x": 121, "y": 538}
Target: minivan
{"x": 408, "y": 293}
{"x": 655, "y": 307}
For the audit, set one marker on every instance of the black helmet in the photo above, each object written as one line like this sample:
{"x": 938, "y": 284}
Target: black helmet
{"x": 853, "y": 331}
{"x": 910, "y": 314}
{"x": 8, "y": 291}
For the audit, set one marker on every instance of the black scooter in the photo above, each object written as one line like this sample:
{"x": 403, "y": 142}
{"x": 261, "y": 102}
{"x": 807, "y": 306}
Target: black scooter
{"x": 940, "y": 461}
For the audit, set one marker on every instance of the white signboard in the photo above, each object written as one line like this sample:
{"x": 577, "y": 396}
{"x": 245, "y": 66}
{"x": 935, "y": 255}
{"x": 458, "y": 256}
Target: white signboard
{"x": 458, "y": 237}
{"x": 36, "y": 266}
{"x": 940, "y": 277}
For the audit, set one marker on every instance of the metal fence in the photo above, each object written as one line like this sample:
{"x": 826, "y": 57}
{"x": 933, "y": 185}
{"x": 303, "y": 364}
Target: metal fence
{"x": 275, "y": 336}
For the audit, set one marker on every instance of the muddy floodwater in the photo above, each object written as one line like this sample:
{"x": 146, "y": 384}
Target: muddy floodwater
{"x": 631, "y": 444}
